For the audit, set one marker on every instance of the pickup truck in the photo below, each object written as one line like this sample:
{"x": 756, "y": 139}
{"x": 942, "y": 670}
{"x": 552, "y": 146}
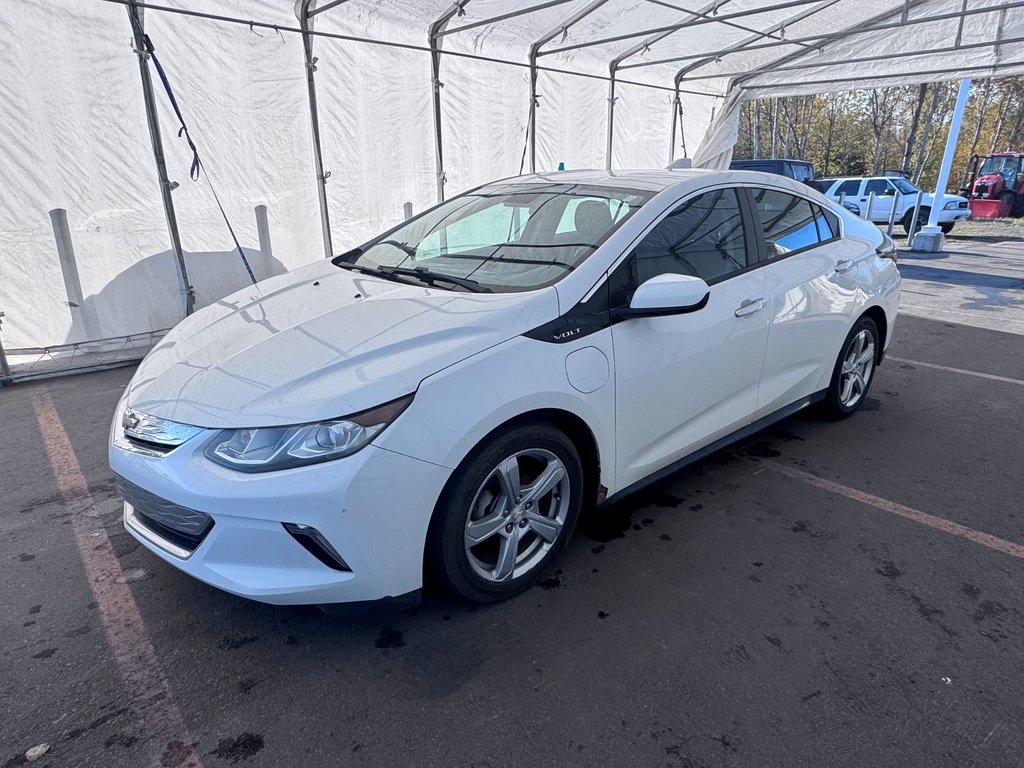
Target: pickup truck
{"x": 890, "y": 191}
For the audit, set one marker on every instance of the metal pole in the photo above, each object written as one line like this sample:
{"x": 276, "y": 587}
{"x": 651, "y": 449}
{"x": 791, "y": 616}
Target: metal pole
{"x": 871, "y": 202}
{"x": 263, "y": 232}
{"x": 156, "y": 141}
{"x": 5, "y": 369}
{"x": 612, "y": 68}
{"x": 533, "y": 107}
{"x": 913, "y": 219}
{"x": 314, "y": 125}
{"x": 892, "y": 213}
{"x": 82, "y": 313}
{"x": 947, "y": 156}
{"x": 775, "y": 123}
{"x": 672, "y": 132}
{"x": 842, "y": 199}
{"x": 407, "y": 211}
{"x": 434, "y": 41}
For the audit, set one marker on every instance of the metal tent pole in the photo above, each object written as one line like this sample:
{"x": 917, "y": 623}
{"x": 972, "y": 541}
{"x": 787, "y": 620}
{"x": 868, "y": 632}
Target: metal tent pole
{"x": 561, "y": 29}
{"x": 135, "y": 15}
{"x": 611, "y": 116}
{"x": 305, "y": 16}
{"x": 434, "y": 41}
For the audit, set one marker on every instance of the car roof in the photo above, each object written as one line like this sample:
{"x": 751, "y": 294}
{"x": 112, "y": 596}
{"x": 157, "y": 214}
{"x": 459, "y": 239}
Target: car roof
{"x": 657, "y": 180}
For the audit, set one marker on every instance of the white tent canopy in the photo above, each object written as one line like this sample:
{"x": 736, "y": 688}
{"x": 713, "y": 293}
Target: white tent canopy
{"x": 412, "y": 98}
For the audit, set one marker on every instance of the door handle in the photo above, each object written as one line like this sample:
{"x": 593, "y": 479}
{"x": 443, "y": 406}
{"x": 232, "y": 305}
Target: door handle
{"x": 749, "y": 307}
{"x": 844, "y": 266}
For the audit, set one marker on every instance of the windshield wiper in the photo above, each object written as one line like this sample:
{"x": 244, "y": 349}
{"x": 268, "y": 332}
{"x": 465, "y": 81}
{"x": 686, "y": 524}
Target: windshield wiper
{"x": 387, "y": 274}
{"x": 430, "y": 277}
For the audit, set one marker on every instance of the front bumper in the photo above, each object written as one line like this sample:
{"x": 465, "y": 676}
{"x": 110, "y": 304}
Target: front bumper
{"x": 373, "y": 508}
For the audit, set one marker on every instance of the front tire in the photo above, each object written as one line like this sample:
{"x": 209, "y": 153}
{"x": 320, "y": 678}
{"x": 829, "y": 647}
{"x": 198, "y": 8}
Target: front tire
{"x": 854, "y": 370}
{"x": 922, "y": 218}
{"x": 506, "y": 514}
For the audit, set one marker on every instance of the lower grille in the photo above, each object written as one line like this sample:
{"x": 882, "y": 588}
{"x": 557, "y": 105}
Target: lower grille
{"x": 183, "y": 527}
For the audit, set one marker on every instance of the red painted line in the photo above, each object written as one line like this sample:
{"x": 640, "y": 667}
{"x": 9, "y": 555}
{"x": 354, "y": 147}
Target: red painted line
{"x": 939, "y": 523}
{"x": 977, "y": 374}
{"x": 122, "y": 622}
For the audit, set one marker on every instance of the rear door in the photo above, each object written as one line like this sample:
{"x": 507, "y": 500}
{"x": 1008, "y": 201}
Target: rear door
{"x": 810, "y": 301}
{"x": 881, "y": 204}
{"x": 683, "y": 381}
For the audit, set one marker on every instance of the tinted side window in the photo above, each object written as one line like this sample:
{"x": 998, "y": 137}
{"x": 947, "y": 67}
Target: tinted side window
{"x": 800, "y": 172}
{"x": 702, "y": 237}
{"x": 787, "y": 221}
{"x": 848, "y": 188}
{"x": 828, "y": 226}
{"x": 878, "y": 186}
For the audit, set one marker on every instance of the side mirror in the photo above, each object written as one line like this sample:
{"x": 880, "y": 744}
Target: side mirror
{"x": 667, "y": 294}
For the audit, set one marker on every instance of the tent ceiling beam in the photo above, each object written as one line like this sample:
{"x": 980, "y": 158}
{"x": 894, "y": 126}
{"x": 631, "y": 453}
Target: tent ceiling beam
{"x": 504, "y": 16}
{"x": 823, "y": 38}
{"x": 740, "y": 44}
{"x": 866, "y": 59}
{"x": 672, "y": 27}
{"x": 993, "y": 69}
{"x": 713, "y": 16}
{"x": 876, "y": 22}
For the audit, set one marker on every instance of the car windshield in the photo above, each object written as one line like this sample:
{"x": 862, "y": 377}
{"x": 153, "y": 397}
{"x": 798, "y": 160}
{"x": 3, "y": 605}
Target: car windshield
{"x": 904, "y": 186}
{"x": 502, "y": 237}
{"x": 1003, "y": 165}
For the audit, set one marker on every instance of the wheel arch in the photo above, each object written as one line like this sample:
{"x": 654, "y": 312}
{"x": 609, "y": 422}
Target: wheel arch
{"x": 571, "y": 424}
{"x": 877, "y": 315}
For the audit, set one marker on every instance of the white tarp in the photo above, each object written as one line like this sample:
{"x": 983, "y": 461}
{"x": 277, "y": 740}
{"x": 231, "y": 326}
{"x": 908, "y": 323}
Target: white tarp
{"x": 75, "y": 135}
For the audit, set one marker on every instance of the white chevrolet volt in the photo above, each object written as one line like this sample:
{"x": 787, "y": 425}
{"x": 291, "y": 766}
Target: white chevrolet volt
{"x": 447, "y": 398}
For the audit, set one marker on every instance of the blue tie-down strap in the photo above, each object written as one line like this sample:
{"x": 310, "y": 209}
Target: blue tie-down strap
{"x": 197, "y": 164}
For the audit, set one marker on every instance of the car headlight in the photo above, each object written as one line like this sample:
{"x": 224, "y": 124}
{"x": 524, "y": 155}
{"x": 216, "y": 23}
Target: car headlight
{"x": 264, "y": 449}
{"x": 951, "y": 206}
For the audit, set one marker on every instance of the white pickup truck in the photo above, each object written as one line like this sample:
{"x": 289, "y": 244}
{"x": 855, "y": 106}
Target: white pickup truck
{"x": 894, "y": 190}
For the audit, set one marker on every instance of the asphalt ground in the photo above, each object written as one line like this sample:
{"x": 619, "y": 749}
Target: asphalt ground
{"x": 823, "y": 594}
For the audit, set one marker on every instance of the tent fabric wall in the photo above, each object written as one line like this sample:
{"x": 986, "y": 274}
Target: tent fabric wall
{"x": 75, "y": 125}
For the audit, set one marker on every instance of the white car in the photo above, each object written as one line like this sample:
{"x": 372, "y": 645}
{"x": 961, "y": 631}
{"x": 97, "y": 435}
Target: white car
{"x": 449, "y": 396}
{"x": 895, "y": 191}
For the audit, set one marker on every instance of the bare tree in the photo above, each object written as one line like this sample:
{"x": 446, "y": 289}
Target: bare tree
{"x": 882, "y": 109}
{"x": 915, "y": 122}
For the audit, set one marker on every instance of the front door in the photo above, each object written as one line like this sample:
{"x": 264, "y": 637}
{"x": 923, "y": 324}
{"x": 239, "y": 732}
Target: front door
{"x": 683, "y": 381}
{"x": 881, "y": 203}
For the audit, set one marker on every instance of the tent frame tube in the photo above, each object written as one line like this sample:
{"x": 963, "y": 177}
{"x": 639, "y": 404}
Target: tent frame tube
{"x": 534, "y": 70}
{"x": 156, "y": 142}
{"x": 829, "y": 37}
{"x": 859, "y": 60}
{"x": 673, "y": 27}
{"x": 993, "y": 69}
{"x": 947, "y": 157}
{"x": 503, "y": 17}
{"x": 819, "y": 6}
{"x": 305, "y": 26}
{"x": 434, "y": 40}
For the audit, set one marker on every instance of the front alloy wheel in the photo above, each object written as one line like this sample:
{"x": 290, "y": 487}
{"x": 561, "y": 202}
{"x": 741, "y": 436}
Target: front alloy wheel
{"x": 507, "y": 513}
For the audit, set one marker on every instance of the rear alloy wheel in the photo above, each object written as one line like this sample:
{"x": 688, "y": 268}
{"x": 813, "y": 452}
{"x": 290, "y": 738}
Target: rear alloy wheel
{"x": 507, "y": 513}
{"x": 854, "y": 370}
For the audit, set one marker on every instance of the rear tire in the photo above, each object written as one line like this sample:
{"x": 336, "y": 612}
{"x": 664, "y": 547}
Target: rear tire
{"x": 506, "y": 514}
{"x": 854, "y": 370}
{"x": 946, "y": 227}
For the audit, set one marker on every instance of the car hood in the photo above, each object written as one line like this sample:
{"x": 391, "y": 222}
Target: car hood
{"x": 319, "y": 343}
{"x": 928, "y": 197}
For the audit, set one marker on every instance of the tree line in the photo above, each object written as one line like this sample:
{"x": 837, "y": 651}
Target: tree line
{"x": 902, "y": 128}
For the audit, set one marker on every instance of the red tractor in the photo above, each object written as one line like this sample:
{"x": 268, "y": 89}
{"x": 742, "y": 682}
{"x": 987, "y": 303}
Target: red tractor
{"x": 996, "y": 188}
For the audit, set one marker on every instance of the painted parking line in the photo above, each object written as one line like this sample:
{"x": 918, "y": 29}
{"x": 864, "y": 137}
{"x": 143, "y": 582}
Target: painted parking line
{"x": 122, "y": 622}
{"x": 939, "y": 523}
{"x": 990, "y": 376}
